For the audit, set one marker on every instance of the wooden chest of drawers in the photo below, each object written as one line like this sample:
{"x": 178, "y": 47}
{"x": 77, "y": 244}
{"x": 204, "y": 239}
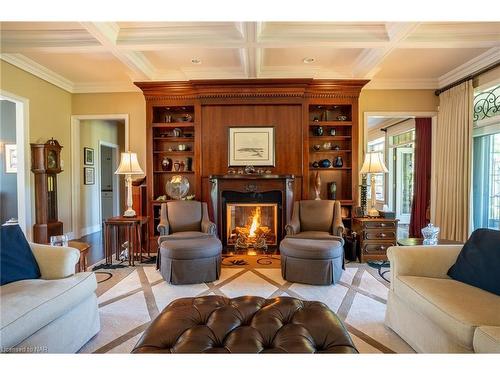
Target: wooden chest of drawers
{"x": 375, "y": 237}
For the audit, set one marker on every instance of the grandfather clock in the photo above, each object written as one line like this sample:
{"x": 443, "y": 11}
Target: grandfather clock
{"x": 46, "y": 164}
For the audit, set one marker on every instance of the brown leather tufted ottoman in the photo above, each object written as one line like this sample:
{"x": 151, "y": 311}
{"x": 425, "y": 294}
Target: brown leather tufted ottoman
{"x": 215, "y": 324}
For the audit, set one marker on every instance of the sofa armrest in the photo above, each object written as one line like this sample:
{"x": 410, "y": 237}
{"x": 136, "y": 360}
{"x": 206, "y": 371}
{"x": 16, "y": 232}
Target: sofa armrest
{"x": 338, "y": 228}
{"x": 55, "y": 262}
{"x": 425, "y": 261}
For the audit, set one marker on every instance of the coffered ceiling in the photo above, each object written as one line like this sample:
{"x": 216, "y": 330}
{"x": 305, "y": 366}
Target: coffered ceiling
{"x": 109, "y": 56}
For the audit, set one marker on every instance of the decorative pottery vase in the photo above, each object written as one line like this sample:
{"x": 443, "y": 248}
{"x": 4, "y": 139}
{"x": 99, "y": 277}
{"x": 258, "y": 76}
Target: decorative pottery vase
{"x": 315, "y": 164}
{"x": 177, "y": 132}
{"x": 182, "y": 166}
{"x": 189, "y": 164}
{"x": 166, "y": 164}
{"x": 332, "y": 131}
{"x": 325, "y": 163}
{"x": 177, "y": 166}
{"x": 332, "y": 191}
{"x": 318, "y": 131}
{"x": 317, "y": 186}
{"x": 338, "y": 163}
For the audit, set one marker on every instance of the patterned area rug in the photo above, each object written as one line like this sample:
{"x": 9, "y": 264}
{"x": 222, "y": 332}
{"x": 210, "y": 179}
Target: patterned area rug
{"x": 133, "y": 296}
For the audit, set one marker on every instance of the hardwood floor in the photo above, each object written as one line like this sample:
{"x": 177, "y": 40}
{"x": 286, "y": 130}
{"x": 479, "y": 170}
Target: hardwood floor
{"x": 96, "y": 252}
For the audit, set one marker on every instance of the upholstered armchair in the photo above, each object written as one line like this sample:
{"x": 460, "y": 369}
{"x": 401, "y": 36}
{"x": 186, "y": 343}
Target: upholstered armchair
{"x": 184, "y": 219}
{"x": 315, "y": 219}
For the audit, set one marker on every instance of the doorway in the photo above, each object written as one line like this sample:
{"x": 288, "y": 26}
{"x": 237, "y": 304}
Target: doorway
{"x": 403, "y": 182}
{"x": 15, "y": 155}
{"x": 109, "y": 181}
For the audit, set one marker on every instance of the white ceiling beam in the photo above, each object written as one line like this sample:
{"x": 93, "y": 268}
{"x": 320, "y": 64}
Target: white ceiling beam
{"x": 107, "y": 34}
{"x": 368, "y": 63}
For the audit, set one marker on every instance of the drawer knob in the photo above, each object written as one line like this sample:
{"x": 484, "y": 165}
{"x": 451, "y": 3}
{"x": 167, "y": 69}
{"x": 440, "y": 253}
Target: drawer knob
{"x": 381, "y": 235}
{"x": 383, "y": 224}
{"x": 382, "y": 247}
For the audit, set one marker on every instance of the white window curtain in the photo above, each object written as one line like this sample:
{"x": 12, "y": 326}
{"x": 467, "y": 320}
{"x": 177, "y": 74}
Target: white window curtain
{"x": 452, "y": 188}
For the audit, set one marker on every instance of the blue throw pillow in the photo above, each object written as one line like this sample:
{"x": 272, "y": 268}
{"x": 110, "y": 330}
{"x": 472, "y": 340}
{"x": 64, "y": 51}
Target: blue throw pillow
{"x": 478, "y": 264}
{"x": 17, "y": 262}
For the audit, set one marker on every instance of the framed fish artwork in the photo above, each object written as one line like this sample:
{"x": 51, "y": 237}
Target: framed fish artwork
{"x": 251, "y": 145}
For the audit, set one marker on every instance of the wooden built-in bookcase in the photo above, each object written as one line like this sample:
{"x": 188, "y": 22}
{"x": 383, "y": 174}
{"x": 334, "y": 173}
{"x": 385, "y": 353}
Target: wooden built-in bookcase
{"x": 201, "y": 113}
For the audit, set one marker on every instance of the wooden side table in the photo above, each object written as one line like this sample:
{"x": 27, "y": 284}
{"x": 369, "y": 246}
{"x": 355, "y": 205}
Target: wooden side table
{"x": 133, "y": 230}
{"x": 84, "y": 248}
{"x": 376, "y": 235}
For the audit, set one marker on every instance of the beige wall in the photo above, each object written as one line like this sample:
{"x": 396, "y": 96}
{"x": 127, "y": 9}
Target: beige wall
{"x": 91, "y": 133}
{"x": 130, "y": 103}
{"x": 49, "y": 116}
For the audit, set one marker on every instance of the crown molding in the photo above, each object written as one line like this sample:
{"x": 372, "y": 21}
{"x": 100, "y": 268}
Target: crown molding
{"x": 108, "y": 87}
{"x": 402, "y": 84}
{"x": 482, "y": 61}
{"x": 30, "y": 66}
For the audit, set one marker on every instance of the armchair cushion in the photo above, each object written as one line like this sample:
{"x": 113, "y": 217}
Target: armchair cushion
{"x": 479, "y": 261}
{"x": 184, "y": 216}
{"x": 316, "y": 215}
{"x": 17, "y": 261}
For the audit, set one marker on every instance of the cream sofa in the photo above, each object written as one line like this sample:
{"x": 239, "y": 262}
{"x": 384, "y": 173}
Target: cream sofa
{"x": 54, "y": 314}
{"x": 434, "y": 313}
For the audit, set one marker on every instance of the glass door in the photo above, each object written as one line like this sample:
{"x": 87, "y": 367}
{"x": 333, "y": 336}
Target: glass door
{"x": 404, "y": 183}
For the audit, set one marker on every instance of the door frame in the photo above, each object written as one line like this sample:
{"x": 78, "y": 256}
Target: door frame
{"x": 24, "y": 193}
{"x": 76, "y": 162}
{"x": 116, "y": 179}
{"x": 405, "y": 114}
{"x": 401, "y": 149}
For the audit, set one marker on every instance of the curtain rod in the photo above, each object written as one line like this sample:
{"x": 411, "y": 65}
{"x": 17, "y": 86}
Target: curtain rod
{"x": 384, "y": 129}
{"x": 470, "y": 76}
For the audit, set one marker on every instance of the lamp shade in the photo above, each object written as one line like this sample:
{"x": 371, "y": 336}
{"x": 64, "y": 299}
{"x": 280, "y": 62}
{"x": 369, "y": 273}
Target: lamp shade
{"x": 129, "y": 164}
{"x": 374, "y": 163}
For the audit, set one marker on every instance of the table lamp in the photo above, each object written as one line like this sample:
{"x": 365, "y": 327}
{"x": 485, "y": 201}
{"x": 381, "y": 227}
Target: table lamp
{"x": 129, "y": 166}
{"x": 374, "y": 163}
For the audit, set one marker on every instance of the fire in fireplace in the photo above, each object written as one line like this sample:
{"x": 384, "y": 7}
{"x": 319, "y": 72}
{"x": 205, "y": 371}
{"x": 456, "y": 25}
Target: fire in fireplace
{"x": 252, "y": 225}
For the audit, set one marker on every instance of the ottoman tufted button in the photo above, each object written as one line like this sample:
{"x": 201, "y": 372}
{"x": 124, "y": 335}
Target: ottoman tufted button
{"x": 246, "y": 325}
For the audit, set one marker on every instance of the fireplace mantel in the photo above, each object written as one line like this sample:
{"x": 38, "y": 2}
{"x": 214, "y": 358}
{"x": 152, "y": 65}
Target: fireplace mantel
{"x": 252, "y": 187}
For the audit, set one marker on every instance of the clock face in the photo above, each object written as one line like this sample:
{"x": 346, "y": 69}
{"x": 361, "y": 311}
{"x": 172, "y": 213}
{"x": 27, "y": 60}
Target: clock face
{"x": 51, "y": 159}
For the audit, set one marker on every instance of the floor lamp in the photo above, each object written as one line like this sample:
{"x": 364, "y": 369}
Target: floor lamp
{"x": 129, "y": 166}
{"x": 373, "y": 164}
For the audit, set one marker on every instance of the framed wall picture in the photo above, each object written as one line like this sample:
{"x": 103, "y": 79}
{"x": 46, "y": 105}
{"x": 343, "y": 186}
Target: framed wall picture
{"x": 88, "y": 176}
{"x": 251, "y": 145}
{"x": 10, "y": 158}
{"x": 88, "y": 156}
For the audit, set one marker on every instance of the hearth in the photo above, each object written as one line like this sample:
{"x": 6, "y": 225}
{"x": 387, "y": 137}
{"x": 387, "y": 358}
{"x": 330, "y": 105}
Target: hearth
{"x": 251, "y": 211}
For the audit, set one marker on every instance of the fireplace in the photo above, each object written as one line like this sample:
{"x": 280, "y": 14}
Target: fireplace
{"x": 251, "y": 211}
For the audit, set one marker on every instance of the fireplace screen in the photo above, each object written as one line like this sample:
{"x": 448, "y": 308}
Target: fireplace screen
{"x": 252, "y": 224}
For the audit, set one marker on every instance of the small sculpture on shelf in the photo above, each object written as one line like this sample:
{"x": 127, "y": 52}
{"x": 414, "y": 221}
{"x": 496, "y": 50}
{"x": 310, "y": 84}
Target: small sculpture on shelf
{"x": 315, "y": 164}
{"x": 338, "y": 163}
{"x": 336, "y": 147}
{"x": 327, "y": 146}
{"x": 332, "y": 190}
{"x": 341, "y": 118}
{"x": 177, "y": 132}
{"x": 317, "y": 186}
{"x": 316, "y": 147}
{"x": 332, "y": 131}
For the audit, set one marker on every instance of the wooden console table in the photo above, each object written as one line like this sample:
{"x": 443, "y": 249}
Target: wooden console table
{"x": 133, "y": 229}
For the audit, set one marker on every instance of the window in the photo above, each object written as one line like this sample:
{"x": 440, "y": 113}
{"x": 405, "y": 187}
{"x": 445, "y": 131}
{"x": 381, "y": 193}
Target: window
{"x": 486, "y": 160}
{"x": 377, "y": 145}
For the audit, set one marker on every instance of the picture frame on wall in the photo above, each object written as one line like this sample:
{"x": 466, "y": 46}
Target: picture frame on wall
{"x": 10, "y": 158}
{"x": 251, "y": 145}
{"x": 88, "y": 156}
{"x": 88, "y": 176}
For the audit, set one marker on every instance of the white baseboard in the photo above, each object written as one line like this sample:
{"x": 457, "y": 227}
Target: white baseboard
{"x": 89, "y": 230}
